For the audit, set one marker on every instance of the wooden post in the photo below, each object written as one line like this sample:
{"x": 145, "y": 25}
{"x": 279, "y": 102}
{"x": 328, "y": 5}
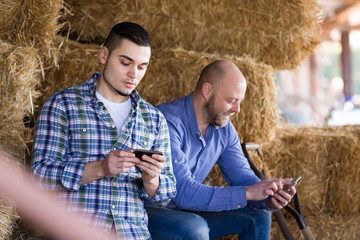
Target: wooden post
{"x": 346, "y": 64}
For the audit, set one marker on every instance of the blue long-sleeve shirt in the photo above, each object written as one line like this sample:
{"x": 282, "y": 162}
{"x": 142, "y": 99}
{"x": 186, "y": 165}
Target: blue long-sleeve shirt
{"x": 194, "y": 156}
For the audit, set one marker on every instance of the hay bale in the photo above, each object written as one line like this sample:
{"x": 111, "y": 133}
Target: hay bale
{"x": 279, "y": 33}
{"x": 8, "y": 216}
{"x": 166, "y": 80}
{"x": 174, "y": 73}
{"x": 76, "y": 63}
{"x": 326, "y": 158}
{"x": 33, "y": 22}
{"x": 323, "y": 226}
{"x": 18, "y": 81}
{"x": 8, "y": 213}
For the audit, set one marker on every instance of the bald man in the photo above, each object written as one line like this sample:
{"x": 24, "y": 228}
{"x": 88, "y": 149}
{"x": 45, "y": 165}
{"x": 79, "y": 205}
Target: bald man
{"x": 201, "y": 136}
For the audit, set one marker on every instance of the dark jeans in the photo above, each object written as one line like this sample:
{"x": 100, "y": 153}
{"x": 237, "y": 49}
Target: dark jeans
{"x": 165, "y": 223}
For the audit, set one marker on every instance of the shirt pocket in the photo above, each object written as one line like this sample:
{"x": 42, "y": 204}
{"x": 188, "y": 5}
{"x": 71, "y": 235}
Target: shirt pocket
{"x": 144, "y": 140}
{"x": 86, "y": 140}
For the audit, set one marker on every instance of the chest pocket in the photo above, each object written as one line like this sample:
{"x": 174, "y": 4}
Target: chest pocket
{"x": 86, "y": 140}
{"x": 144, "y": 139}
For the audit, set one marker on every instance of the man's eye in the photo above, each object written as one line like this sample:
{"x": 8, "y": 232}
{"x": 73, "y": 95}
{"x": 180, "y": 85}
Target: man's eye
{"x": 125, "y": 63}
{"x": 141, "y": 67}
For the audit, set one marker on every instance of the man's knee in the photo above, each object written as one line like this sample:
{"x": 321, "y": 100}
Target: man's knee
{"x": 195, "y": 227}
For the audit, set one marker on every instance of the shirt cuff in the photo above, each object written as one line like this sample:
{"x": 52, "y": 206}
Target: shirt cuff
{"x": 165, "y": 192}
{"x": 73, "y": 175}
{"x": 260, "y": 205}
{"x": 239, "y": 197}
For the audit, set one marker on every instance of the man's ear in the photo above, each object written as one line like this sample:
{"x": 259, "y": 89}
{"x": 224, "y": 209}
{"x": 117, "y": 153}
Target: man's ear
{"x": 207, "y": 90}
{"x": 103, "y": 55}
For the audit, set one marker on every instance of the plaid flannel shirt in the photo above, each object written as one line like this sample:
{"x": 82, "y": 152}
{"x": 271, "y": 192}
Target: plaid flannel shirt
{"x": 74, "y": 128}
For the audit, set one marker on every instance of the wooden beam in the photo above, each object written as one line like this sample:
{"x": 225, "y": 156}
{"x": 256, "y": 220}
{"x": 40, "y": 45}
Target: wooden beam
{"x": 348, "y": 1}
{"x": 342, "y": 16}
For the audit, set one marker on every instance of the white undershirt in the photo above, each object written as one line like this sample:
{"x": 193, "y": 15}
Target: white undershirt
{"x": 118, "y": 111}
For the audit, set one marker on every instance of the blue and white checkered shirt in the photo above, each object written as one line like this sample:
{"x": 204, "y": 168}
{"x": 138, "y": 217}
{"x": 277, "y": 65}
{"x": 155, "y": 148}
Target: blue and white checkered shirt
{"x": 74, "y": 128}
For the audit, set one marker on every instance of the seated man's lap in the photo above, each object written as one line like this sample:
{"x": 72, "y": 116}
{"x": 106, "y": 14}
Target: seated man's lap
{"x": 165, "y": 223}
{"x": 247, "y": 222}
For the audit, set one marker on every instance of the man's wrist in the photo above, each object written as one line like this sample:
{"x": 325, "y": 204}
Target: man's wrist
{"x": 93, "y": 171}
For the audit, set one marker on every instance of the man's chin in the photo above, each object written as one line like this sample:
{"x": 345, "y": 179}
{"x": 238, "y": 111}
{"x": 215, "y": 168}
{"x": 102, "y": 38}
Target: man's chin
{"x": 221, "y": 123}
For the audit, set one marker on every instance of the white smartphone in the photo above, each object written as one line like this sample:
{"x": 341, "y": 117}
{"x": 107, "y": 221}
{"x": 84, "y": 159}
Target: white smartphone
{"x": 293, "y": 183}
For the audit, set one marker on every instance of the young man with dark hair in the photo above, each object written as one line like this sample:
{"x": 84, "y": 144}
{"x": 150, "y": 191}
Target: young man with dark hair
{"x": 85, "y": 134}
{"x": 201, "y": 136}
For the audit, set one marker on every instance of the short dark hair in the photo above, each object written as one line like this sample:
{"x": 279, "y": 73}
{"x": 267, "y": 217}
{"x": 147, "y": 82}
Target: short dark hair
{"x": 127, "y": 30}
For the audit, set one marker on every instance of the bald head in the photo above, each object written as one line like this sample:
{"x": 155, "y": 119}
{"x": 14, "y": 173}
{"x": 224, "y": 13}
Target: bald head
{"x": 219, "y": 72}
{"x": 218, "y": 93}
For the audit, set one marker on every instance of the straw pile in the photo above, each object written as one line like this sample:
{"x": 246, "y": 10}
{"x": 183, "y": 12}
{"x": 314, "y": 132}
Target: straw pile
{"x": 31, "y": 22}
{"x": 323, "y": 226}
{"x": 8, "y": 213}
{"x": 328, "y": 161}
{"x": 173, "y": 73}
{"x": 20, "y": 75}
{"x": 35, "y": 62}
{"x": 76, "y": 64}
{"x": 279, "y": 33}
{"x": 7, "y": 218}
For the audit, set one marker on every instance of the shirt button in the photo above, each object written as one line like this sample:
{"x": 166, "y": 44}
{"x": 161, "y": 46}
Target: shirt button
{"x": 114, "y": 148}
{"x": 175, "y": 161}
{"x": 193, "y": 176}
{"x": 113, "y": 206}
{"x": 113, "y": 126}
{"x": 239, "y": 206}
{"x": 198, "y": 133}
{"x": 84, "y": 129}
{"x": 114, "y": 184}
{"x": 145, "y": 144}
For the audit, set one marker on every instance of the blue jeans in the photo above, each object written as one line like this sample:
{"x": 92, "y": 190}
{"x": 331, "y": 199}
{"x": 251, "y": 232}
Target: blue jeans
{"x": 165, "y": 223}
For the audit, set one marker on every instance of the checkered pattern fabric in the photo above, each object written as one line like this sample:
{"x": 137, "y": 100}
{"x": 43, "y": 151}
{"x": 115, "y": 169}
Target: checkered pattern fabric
{"x": 74, "y": 128}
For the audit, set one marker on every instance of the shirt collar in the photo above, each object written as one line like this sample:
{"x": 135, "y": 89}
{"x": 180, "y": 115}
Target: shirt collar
{"x": 190, "y": 110}
{"x": 195, "y": 129}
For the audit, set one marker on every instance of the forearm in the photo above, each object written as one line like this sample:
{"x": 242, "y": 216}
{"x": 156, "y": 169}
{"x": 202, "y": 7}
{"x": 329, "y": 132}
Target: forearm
{"x": 92, "y": 171}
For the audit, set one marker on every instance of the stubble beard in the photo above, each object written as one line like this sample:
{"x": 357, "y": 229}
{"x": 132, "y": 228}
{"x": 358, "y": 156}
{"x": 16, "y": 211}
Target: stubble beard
{"x": 121, "y": 93}
{"x": 213, "y": 116}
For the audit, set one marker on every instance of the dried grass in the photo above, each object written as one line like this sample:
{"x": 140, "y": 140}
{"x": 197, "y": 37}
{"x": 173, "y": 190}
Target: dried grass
{"x": 326, "y": 158}
{"x": 31, "y": 22}
{"x": 8, "y": 213}
{"x": 77, "y": 62}
{"x": 172, "y": 74}
{"x": 279, "y": 33}
{"x": 7, "y": 217}
{"x": 323, "y": 226}
{"x": 19, "y": 78}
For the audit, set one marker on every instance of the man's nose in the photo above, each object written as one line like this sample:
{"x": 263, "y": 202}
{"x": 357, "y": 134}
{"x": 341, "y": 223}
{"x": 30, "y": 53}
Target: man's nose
{"x": 235, "y": 107}
{"x": 133, "y": 72}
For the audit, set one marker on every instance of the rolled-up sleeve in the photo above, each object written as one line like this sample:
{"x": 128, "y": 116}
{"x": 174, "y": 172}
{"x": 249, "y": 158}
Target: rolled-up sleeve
{"x": 167, "y": 187}
{"x": 50, "y": 167}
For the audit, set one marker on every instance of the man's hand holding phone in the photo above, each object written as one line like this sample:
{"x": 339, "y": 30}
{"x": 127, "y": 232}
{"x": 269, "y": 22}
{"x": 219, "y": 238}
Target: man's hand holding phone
{"x": 151, "y": 163}
{"x": 282, "y": 197}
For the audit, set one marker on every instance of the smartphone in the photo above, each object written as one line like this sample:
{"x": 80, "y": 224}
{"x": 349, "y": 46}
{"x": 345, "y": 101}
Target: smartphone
{"x": 293, "y": 183}
{"x": 140, "y": 152}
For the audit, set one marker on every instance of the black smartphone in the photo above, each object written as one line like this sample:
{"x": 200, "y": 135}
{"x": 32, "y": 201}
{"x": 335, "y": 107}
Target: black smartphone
{"x": 140, "y": 152}
{"x": 293, "y": 183}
